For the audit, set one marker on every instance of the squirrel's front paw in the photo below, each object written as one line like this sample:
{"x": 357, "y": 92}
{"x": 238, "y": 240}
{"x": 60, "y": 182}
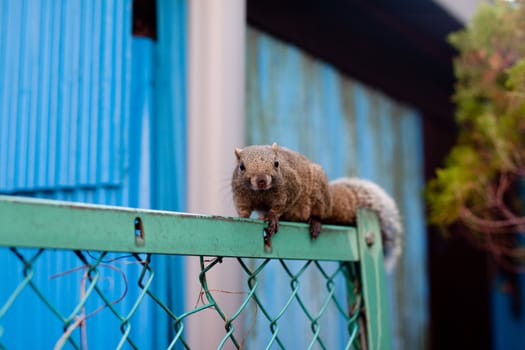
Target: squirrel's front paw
{"x": 273, "y": 227}
{"x": 315, "y": 228}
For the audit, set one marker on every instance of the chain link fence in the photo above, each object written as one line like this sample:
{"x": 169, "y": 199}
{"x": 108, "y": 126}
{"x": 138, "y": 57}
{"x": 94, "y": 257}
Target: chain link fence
{"x": 94, "y": 298}
{"x": 91, "y": 287}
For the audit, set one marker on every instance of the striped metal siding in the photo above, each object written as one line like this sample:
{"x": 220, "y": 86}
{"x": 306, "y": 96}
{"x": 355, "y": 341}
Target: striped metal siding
{"x": 169, "y": 124}
{"x": 64, "y": 95}
{"x": 168, "y": 153}
{"x": 64, "y": 68}
{"x": 77, "y": 107}
{"x": 351, "y": 130}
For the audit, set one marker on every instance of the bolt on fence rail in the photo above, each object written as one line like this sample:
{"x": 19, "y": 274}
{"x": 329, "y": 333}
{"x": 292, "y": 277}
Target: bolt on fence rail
{"x": 97, "y": 241}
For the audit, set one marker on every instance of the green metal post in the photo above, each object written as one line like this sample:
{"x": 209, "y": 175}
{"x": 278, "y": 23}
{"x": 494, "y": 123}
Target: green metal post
{"x": 373, "y": 279}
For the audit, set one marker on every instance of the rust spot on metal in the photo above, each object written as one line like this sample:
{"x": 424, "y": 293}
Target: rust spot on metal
{"x": 223, "y": 218}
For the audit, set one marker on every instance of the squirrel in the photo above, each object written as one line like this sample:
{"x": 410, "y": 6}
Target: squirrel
{"x": 279, "y": 183}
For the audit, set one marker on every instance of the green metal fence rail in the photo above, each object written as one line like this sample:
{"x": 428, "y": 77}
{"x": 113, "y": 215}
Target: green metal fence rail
{"x": 140, "y": 234}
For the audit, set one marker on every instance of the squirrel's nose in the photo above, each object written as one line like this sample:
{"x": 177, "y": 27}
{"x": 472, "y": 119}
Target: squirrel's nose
{"x": 261, "y": 183}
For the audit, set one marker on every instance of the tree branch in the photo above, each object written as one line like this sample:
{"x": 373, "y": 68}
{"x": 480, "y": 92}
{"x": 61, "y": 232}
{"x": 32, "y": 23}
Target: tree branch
{"x": 512, "y": 225}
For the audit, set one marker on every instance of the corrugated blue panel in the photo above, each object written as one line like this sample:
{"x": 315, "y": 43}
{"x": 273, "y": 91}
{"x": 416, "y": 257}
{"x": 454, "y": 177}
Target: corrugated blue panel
{"x": 64, "y": 99}
{"x": 169, "y": 128}
{"x": 77, "y": 103}
{"x": 61, "y": 80}
{"x": 141, "y": 113}
{"x": 351, "y": 130}
{"x": 168, "y": 150}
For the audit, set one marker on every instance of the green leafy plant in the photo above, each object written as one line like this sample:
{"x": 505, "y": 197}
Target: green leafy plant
{"x": 480, "y": 183}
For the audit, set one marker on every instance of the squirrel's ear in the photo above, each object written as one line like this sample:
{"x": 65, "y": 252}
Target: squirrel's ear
{"x": 238, "y": 153}
{"x": 275, "y": 147}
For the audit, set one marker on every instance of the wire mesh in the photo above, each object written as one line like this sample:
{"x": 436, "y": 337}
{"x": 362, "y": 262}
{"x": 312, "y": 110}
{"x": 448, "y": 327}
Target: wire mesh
{"x": 338, "y": 296}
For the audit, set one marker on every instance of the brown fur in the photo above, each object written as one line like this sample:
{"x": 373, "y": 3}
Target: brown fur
{"x": 295, "y": 190}
{"x": 348, "y": 194}
{"x": 282, "y": 184}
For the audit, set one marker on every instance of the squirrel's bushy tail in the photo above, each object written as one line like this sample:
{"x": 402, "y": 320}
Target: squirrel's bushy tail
{"x": 370, "y": 195}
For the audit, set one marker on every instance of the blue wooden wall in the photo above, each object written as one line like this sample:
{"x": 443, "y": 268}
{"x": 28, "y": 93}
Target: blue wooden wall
{"x": 83, "y": 107}
{"x": 351, "y": 130}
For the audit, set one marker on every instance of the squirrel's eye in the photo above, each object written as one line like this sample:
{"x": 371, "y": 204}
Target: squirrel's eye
{"x": 242, "y": 167}
{"x": 276, "y": 164}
